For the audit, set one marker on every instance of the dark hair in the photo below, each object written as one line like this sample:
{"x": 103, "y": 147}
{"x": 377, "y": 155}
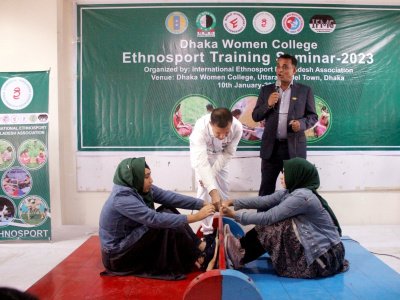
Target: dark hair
{"x": 177, "y": 107}
{"x": 209, "y": 106}
{"x": 14, "y": 294}
{"x": 288, "y": 56}
{"x": 221, "y": 117}
{"x": 236, "y": 112}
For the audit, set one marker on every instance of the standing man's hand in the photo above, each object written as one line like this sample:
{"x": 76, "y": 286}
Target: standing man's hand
{"x": 215, "y": 199}
{"x": 273, "y": 99}
{"x": 295, "y": 125}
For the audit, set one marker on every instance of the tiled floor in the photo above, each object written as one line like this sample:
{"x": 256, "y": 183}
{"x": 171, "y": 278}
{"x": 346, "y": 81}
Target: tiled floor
{"x": 24, "y": 263}
{"x": 384, "y": 240}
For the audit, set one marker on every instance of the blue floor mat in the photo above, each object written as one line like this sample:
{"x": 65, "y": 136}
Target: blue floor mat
{"x": 368, "y": 278}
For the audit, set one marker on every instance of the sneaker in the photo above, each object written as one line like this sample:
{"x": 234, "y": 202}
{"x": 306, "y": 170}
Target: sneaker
{"x": 234, "y": 252}
{"x": 227, "y": 231}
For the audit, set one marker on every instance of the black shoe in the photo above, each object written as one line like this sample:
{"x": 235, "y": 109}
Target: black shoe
{"x": 209, "y": 250}
{"x": 209, "y": 239}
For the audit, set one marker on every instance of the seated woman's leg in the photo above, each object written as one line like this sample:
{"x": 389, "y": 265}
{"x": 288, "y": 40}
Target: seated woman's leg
{"x": 162, "y": 253}
{"x": 165, "y": 253}
{"x": 332, "y": 262}
{"x": 288, "y": 257}
{"x": 252, "y": 246}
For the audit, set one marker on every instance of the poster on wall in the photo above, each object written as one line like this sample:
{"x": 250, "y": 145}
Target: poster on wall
{"x": 148, "y": 72}
{"x": 24, "y": 168}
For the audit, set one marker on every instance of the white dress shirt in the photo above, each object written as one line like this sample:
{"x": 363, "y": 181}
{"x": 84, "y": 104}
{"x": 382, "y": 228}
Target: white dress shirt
{"x": 210, "y": 155}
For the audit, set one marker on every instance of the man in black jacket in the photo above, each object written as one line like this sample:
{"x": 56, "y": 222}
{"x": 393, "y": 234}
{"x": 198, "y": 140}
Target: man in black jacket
{"x": 288, "y": 109}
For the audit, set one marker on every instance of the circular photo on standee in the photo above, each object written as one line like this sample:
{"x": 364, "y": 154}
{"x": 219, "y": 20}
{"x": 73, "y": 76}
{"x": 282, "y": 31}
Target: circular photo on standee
{"x": 242, "y": 110}
{"x": 7, "y": 211}
{"x": 187, "y": 111}
{"x": 320, "y": 129}
{"x": 16, "y": 93}
{"x": 7, "y": 154}
{"x": 32, "y": 154}
{"x": 33, "y": 210}
{"x": 16, "y": 182}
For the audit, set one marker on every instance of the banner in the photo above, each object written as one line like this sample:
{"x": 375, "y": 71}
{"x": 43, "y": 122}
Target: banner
{"x": 148, "y": 72}
{"x": 24, "y": 168}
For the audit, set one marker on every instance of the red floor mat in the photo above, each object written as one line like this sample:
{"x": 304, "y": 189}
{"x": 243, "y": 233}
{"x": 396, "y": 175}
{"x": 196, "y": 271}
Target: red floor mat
{"x": 77, "y": 277}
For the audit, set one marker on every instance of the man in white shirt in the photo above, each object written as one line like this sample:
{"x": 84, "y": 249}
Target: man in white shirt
{"x": 213, "y": 143}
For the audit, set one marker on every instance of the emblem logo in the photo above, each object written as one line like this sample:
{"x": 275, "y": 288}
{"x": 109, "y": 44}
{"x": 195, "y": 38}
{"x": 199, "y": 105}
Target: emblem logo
{"x": 176, "y": 22}
{"x": 234, "y": 22}
{"x": 205, "y": 23}
{"x": 293, "y": 23}
{"x": 264, "y": 22}
{"x": 322, "y": 24}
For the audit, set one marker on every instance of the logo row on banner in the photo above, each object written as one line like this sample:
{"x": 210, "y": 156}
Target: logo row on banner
{"x": 235, "y": 22}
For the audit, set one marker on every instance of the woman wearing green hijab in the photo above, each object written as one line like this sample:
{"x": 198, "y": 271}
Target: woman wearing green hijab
{"x": 295, "y": 226}
{"x": 137, "y": 239}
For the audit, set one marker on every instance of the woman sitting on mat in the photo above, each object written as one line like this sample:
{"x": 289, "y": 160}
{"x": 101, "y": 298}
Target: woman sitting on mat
{"x": 295, "y": 226}
{"x": 137, "y": 239}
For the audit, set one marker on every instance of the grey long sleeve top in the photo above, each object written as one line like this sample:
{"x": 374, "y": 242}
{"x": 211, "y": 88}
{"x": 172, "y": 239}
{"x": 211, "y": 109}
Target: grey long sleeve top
{"x": 316, "y": 229}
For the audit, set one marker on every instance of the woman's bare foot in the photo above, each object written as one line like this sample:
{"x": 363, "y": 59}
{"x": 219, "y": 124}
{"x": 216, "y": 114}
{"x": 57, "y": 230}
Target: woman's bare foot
{"x": 202, "y": 246}
{"x": 199, "y": 262}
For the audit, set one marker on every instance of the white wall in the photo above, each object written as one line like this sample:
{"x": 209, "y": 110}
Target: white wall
{"x": 38, "y": 35}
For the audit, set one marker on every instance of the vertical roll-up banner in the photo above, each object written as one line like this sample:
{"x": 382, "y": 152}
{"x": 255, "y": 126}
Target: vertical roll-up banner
{"x": 147, "y": 72}
{"x": 24, "y": 165}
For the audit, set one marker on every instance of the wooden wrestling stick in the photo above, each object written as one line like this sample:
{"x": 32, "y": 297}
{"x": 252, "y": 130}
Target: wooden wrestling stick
{"x": 219, "y": 248}
{"x": 221, "y": 261}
